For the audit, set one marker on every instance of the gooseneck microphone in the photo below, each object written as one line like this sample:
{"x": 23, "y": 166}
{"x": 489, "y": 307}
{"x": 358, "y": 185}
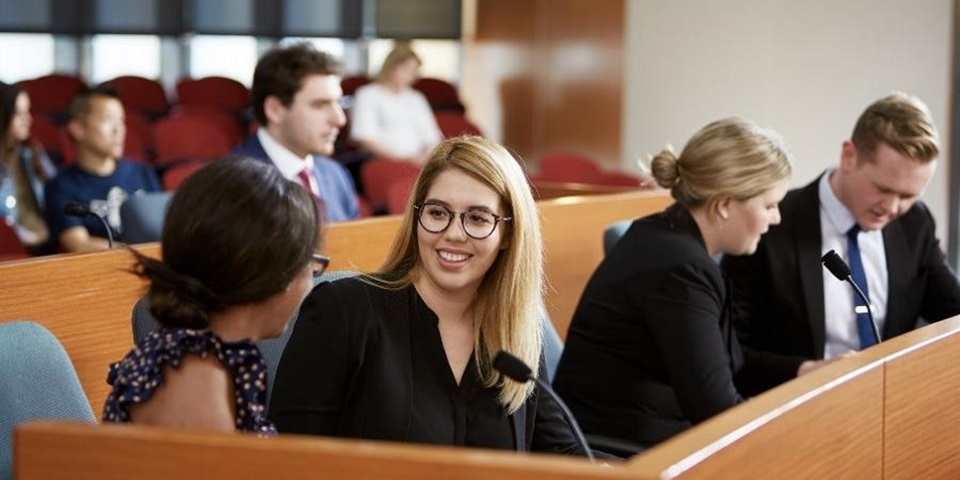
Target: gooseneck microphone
{"x": 77, "y": 209}
{"x": 516, "y": 370}
{"x": 841, "y": 270}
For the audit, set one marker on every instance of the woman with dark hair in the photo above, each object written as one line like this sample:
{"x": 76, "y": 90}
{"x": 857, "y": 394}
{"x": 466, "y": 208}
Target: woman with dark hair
{"x": 238, "y": 258}
{"x": 24, "y": 167}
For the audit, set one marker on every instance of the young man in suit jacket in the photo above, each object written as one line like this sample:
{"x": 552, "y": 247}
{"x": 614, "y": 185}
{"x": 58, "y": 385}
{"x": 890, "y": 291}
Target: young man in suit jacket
{"x": 790, "y": 309}
{"x": 296, "y": 98}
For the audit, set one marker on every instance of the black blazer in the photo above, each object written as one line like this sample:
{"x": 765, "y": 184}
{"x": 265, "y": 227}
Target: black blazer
{"x": 650, "y": 351}
{"x": 347, "y": 372}
{"x": 777, "y": 293}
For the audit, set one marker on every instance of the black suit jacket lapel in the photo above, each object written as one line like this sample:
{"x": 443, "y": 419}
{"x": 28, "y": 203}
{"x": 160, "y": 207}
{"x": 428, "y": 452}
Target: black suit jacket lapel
{"x": 898, "y": 266}
{"x": 807, "y": 248}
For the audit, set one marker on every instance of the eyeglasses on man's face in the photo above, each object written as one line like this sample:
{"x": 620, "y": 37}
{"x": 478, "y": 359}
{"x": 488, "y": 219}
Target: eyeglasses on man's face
{"x": 477, "y": 224}
{"x": 320, "y": 264}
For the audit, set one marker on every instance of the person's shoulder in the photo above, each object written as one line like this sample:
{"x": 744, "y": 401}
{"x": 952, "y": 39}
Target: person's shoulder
{"x": 66, "y": 177}
{"x": 917, "y": 218}
{"x": 352, "y": 286}
{"x": 326, "y": 166}
{"x": 370, "y": 89}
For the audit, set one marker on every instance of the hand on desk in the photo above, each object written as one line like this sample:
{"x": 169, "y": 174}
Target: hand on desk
{"x": 811, "y": 365}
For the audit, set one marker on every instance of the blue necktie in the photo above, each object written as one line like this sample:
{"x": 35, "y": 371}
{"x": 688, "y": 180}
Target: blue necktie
{"x": 864, "y": 326}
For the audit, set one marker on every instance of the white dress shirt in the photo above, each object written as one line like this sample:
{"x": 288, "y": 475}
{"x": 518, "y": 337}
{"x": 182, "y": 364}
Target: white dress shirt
{"x": 286, "y": 161}
{"x": 839, "y": 316}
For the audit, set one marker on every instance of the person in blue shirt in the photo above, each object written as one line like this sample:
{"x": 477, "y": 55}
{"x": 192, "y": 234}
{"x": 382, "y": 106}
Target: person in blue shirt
{"x": 296, "y": 98}
{"x": 99, "y": 179}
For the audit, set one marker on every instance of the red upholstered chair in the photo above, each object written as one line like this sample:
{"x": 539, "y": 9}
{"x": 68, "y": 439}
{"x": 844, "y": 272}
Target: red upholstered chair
{"x": 379, "y": 174}
{"x": 51, "y": 94}
{"x": 141, "y": 95}
{"x": 48, "y": 134}
{"x": 453, "y": 124}
{"x": 441, "y": 94}
{"x": 175, "y": 175}
{"x": 398, "y": 193}
{"x": 10, "y": 246}
{"x": 226, "y": 122}
{"x": 617, "y": 179}
{"x": 568, "y": 167}
{"x": 184, "y": 138}
{"x": 352, "y": 83}
{"x": 222, "y": 93}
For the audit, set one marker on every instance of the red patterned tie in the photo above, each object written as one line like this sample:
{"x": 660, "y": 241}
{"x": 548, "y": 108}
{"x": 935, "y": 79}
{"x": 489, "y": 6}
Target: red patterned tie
{"x": 307, "y": 180}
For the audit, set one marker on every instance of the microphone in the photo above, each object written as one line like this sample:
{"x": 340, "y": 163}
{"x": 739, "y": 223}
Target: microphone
{"x": 516, "y": 370}
{"x": 841, "y": 270}
{"x": 77, "y": 209}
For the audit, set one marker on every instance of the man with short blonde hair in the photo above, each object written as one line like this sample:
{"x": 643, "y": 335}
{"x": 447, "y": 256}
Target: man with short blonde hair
{"x": 790, "y": 312}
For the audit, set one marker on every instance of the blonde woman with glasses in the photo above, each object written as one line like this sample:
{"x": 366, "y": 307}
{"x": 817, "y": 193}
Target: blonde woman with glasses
{"x": 404, "y": 354}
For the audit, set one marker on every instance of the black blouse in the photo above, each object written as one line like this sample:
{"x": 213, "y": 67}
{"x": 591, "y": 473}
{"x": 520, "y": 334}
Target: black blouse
{"x": 366, "y": 362}
{"x": 444, "y": 412}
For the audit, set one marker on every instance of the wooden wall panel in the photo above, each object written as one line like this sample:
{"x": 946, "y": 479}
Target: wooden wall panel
{"x": 555, "y": 70}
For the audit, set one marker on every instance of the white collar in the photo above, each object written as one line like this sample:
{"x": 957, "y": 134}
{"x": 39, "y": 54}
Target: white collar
{"x": 286, "y": 161}
{"x": 836, "y": 213}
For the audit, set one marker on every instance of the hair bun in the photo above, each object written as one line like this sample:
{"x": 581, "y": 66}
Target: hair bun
{"x": 665, "y": 168}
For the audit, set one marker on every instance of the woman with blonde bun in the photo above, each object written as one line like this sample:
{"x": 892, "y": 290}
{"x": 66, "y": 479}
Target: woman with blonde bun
{"x": 650, "y": 351}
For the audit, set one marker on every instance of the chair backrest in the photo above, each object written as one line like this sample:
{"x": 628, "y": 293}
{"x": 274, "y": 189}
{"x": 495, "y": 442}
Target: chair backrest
{"x": 51, "y": 94}
{"x": 175, "y": 175}
{"x": 350, "y": 84}
{"x": 568, "y": 167}
{"x": 37, "y": 381}
{"x": 142, "y": 217}
{"x": 612, "y": 234}
{"x": 11, "y": 248}
{"x": 552, "y": 344}
{"x": 453, "y": 124}
{"x": 398, "y": 193}
{"x": 223, "y": 93}
{"x": 189, "y": 137}
{"x": 43, "y": 130}
{"x": 142, "y": 95}
{"x": 441, "y": 95}
{"x": 271, "y": 348}
{"x": 378, "y": 174}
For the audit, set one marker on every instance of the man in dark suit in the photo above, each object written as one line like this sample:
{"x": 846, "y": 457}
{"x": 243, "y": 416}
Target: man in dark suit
{"x": 792, "y": 311}
{"x": 296, "y": 98}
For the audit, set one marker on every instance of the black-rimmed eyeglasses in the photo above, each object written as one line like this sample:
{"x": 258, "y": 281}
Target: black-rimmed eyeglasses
{"x": 320, "y": 264}
{"x": 477, "y": 224}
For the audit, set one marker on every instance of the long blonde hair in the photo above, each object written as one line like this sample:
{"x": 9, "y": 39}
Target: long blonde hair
{"x": 507, "y": 308}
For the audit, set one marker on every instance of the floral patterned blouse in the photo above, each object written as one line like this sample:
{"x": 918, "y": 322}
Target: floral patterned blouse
{"x": 140, "y": 373}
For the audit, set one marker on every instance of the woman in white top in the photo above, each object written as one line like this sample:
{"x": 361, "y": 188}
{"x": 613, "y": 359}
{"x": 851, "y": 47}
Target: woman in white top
{"x": 389, "y": 118}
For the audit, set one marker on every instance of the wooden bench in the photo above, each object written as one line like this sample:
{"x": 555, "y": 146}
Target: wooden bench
{"x": 86, "y": 300}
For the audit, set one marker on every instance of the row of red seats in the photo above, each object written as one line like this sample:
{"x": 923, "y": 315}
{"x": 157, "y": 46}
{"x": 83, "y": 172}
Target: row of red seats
{"x": 51, "y": 94}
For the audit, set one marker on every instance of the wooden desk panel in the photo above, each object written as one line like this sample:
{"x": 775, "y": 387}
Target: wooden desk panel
{"x": 56, "y": 450}
{"x": 922, "y": 421}
{"x": 827, "y": 424}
